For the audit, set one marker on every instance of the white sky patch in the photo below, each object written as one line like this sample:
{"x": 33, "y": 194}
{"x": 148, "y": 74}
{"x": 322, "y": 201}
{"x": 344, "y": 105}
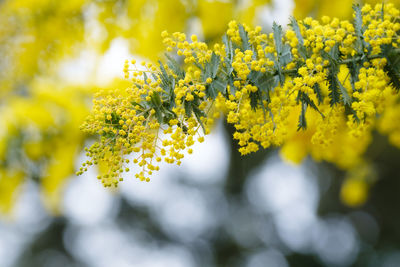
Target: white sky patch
{"x": 79, "y": 70}
{"x": 27, "y": 218}
{"x": 87, "y": 202}
{"x": 278, "y": 186}
{"x": 107, "y": 245}
{"x": 335, "y": 241}
{"x": 12, "y": 243}
{"x": 291, "y": 196}
{"x": 210, "y": 159}
{"x": 270, "y": 258}
{"x": 111, "y": 65}
{"x": 89, "y": 67}
{"x": 29, "y": 213}
{"x": 278, "y": 11}
{"x": 185, "y": 215}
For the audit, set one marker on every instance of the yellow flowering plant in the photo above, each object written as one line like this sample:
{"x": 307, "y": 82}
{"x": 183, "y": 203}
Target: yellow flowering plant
{"x": 320, "y": 88}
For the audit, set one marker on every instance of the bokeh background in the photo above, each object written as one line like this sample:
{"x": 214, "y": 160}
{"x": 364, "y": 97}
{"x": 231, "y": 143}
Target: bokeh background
{"x": 218, "y": 208}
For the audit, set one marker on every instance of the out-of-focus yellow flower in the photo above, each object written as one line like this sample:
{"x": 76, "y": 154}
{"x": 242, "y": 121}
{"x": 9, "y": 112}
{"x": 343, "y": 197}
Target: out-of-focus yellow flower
{"x": 318, "y": 8}
{"x": 354, "y": 192}
{"x": 249, "y": 11}
{"x": 9, "y": 183}
{"x": 341, "y": 9}
{"x": 60, "y": 167}
{"x": 214, "y": 16}
{"x": 31, "y": 38}
{"x": 42, "y": 130}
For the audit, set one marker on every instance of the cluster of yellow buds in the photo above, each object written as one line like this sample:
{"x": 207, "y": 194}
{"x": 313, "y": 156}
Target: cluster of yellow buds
{"x": 141, "y": 120}
{"x": 315, "y": 89}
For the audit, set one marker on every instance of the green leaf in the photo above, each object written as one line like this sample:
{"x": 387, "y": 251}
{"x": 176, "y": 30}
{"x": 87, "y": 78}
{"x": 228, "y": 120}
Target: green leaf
{"x": 215, "y": 60}
{"x": 392, "y": 66}
{"x": 286, "y": 55}
{"x": 168, "y": 112}
{"x": 244, "y": 37}
{"x": 158, "y": 114}
{"x": 304, "y": 98}
{"x": 283, "y": 51}
{"x": 346, "y": 98}
{"x": 211, "y": 68}
{"x": 277, "y": 30}
{"x": 227, "y": 42}
{"x": 317, "y": 91}
{"x": 264, "y": 81}
{"x": 156, "y": 104}
{"x": 175, "y": 67}
{"x": 354, "y": 70}
{"x": 254, "y": 76}
{"x": 349, "y": 110}
{"x": 267, "y": 82}
{"x": 145, "y": 77}
{"x": 166, "y": 80}
{"x": 137, "y": 104}
{"x": 172, "y": 93}
{"x": 333, "y": 87}
{"x": 262, "y": 105}
{"x": 207, "y": 71}
{"x": 196, "y": 63}
{"x": 300, "y": 47}
{"x": 163, "y": 70}
{"x": 211, "y": 91}
{"x": 155, "y": 99}
{"x": 188, "y": 108}
{"x": 335, "y": 54}
{"x": 333, "y": 81}
{"x": 228, "y": 49}
{"x": 114, "y": 120}
{"x": 199, "y": 113}
{"x": 359, "y": 30}
{"x": 233, "y": 88}
{"x": 254, "y": 100}
{"x": 296, "y": 29}
{"x": 302, "y": 119}
{"x": 219, "y": 85}
{"x": 358, "y": 20}
{"x": 394, "y": 76}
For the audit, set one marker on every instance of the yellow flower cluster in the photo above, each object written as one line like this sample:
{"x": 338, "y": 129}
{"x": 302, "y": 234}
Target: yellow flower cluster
{"x": 318, "y": 89}
{"x": 140, "y": 120}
